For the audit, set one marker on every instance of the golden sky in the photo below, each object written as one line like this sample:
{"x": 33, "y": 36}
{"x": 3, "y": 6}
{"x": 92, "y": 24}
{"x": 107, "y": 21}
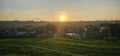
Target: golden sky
{"x": 55, "y": 10}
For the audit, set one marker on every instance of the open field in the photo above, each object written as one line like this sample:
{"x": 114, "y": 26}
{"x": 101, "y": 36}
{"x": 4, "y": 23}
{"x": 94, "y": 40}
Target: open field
{"x": 58, "y": 47}
{"x": 59, "y": 27}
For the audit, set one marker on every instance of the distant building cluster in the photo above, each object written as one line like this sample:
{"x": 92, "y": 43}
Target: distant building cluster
{"x": 90, "y": 32}
{"x": 50, "y": 30}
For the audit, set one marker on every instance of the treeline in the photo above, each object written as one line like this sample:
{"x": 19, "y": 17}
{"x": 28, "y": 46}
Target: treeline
{"x": 89, "y": 29}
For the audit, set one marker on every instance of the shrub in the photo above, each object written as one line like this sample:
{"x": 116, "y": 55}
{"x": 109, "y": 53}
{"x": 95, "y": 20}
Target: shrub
{"x": 110, "y": 39}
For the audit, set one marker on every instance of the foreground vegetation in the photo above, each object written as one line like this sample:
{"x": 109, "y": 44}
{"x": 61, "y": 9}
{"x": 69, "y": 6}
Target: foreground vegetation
{"x": 58, "y": 47}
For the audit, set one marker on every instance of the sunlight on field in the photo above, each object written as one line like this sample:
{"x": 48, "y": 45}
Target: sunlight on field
{"x": 57, "y": 47}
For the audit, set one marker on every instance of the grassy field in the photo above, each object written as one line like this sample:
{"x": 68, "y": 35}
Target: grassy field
{"x": 58, "y": 47}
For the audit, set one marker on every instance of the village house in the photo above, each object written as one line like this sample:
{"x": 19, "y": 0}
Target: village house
{"x": 88, "y": 31}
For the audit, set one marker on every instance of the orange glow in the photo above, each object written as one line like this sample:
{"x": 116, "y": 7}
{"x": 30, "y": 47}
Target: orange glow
{"x": 63, "y": 18}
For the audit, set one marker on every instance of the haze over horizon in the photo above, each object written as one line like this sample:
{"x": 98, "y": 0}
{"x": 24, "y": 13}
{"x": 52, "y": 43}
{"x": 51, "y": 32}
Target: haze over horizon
{"x": 56, "y": 10}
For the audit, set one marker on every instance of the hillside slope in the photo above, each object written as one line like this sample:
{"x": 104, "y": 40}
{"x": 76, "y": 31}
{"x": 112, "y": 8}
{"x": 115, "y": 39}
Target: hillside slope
{"x": 57, "y": 47}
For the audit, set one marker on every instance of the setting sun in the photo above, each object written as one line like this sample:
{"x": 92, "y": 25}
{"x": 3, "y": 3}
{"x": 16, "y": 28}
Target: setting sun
{"x": 63, "y": 18}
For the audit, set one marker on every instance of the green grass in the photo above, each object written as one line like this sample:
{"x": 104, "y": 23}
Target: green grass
{"x": 58, "y": 47}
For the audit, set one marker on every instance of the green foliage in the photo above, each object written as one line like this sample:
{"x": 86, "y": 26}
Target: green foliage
{"x": 110, "y": 39}
{"x": 58, "y": 47}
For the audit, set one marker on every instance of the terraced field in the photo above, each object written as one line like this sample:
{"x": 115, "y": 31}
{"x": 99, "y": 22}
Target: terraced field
{"x": 58, "y": 47}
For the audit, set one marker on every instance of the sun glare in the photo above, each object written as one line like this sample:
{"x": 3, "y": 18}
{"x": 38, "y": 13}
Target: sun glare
{"x": 63, "y": 18}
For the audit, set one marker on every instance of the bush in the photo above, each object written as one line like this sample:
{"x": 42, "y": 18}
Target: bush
{"x": 110, "y": 39}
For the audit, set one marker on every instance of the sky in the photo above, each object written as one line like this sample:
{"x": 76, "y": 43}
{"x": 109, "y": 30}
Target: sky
{"x": 52, "y": 10}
